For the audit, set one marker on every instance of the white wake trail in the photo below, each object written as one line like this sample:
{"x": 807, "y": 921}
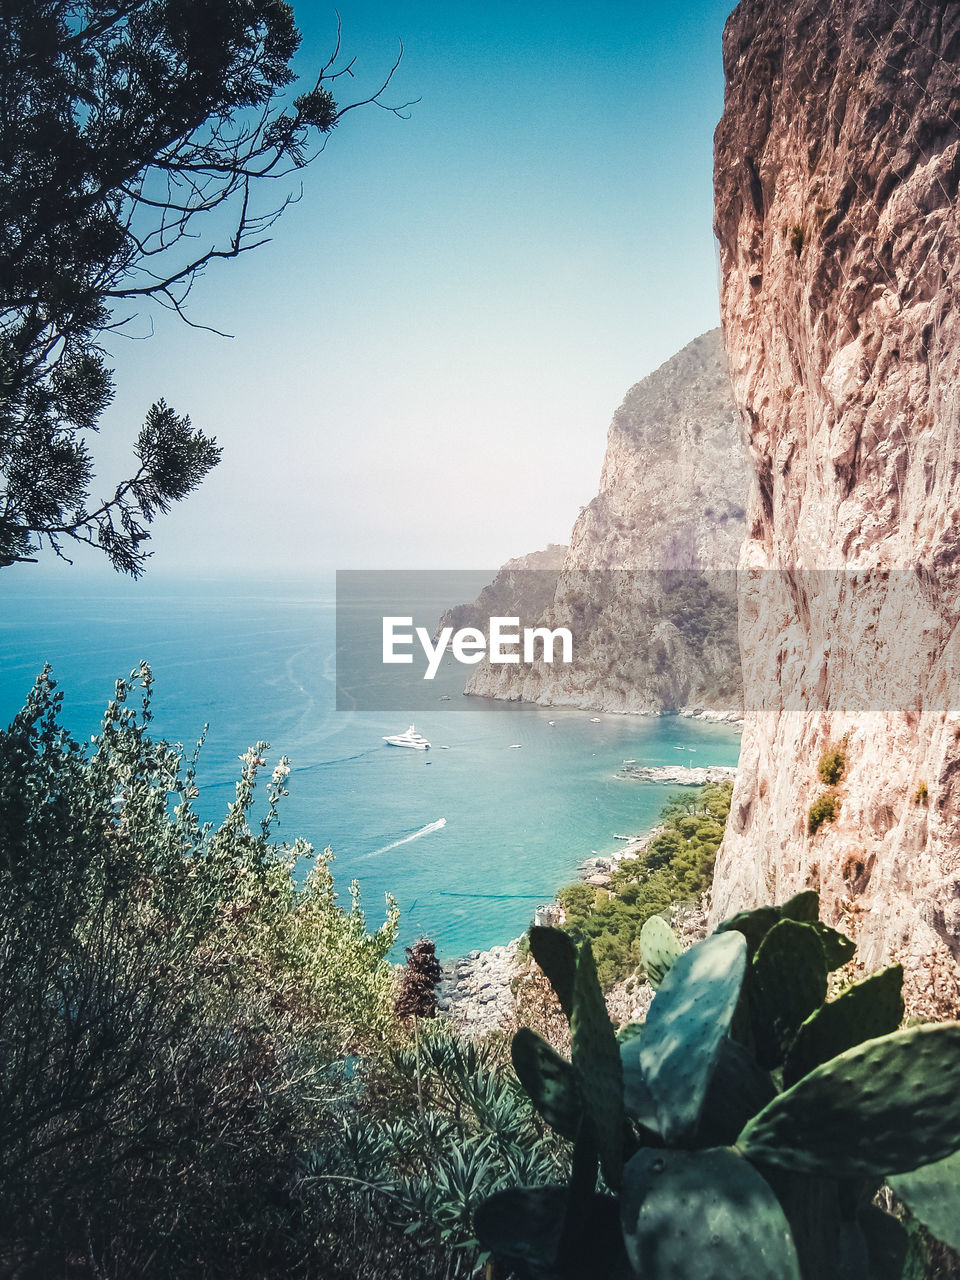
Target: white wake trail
{"x": 424, "y": 831}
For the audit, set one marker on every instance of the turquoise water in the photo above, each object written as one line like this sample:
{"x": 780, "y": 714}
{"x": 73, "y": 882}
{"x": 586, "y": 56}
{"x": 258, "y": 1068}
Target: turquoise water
{"x": 255, "y": 660}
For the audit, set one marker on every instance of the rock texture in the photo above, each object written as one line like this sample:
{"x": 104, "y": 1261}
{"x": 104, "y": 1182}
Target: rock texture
{"x": 678, "y": 775}
{"x": 672, "y": 498}
{"x": 475, "y": 990}
{"x": 837, "y": 167}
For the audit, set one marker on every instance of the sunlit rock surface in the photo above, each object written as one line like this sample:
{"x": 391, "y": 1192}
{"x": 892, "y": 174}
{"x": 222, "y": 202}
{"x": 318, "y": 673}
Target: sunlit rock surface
{"x": 837, "y": 166}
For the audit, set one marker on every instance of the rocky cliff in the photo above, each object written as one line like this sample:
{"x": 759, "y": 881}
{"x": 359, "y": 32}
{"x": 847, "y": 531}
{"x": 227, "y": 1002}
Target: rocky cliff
{"x": 837, "y": 167}
{"x": 523, "y": 588}
{"x": 672, "y": 498}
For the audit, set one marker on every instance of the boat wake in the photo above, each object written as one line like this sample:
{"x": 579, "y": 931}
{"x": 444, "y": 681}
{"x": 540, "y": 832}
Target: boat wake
{"x": 424, "y": 831}
{"x": 325, "y": 764}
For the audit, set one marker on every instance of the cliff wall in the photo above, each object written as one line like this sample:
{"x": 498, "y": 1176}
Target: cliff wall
{"x": 837, "y": 168}
{"x": 672, "y": 497}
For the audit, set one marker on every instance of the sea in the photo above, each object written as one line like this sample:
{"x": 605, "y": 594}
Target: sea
{"x": 469, "y": 837}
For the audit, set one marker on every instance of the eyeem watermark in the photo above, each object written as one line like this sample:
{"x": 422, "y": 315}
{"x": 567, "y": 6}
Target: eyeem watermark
{"x": 503, "y": 643}
{"x": 412, "y": 640}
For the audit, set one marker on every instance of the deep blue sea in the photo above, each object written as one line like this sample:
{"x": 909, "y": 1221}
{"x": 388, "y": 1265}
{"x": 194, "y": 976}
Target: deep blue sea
{"x": 255, "y": 661}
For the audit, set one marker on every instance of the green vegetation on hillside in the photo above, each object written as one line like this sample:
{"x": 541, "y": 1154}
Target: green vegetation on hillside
{"x": 824, "y": 809}
{"x": 209, "y": 1066}
{"x": 704, "y": 612}
{"x": 677, "y": 867}
{"x": 832, "y": 764}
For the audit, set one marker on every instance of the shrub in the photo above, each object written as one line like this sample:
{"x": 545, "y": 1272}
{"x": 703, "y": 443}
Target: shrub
{"x": 922, "y": 793}
{"x": 175, "y": 1005}
{"x": 798, "y": 238}
{"x": 417, "y": 989}
{"x": 428, "y": 1172}
{"x": 824, "y": 809}
{"x": 832, "y": 764}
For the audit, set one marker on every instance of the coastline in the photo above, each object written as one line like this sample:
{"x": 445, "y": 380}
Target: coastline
{"x": 475, "y": 990}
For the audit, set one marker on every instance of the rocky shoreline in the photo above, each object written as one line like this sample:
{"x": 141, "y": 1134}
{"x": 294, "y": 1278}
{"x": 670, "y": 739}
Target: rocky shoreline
{"x": 679, "y": 775}
{"x": 474, "y": 991}
{"x": 712, "y": 715}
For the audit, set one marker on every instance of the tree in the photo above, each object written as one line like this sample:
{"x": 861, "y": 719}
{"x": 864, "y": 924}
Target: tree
{"x": 417, "y": 994}
{"x": 129, "y": 129}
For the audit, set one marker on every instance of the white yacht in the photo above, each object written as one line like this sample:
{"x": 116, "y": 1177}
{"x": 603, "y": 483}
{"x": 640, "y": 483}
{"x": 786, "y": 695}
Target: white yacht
{"x": 409, "y": 739}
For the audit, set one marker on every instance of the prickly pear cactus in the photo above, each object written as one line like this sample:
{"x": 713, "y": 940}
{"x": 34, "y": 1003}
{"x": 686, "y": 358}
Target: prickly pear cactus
{"x": 788, "y": 982}
{"x": 659, "y": 948}
{"x": 865, "y": 1010}
{"x": 549, "y": 1080}
{"x": 556, "y": 954}
{"x": 596, "y": 1061}
{"x": 688, "y": 1019}
{"x": 721, "y": 1173}
{"x": 932, "y": 1194}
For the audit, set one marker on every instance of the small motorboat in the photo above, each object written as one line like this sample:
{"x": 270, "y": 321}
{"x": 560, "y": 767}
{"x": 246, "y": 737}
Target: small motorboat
{"x": 409, "y": 739}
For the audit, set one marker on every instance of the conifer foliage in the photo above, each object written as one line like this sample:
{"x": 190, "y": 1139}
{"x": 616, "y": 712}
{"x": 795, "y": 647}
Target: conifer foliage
{"x": 417, "y": 993}
{"x": 140, "y": 142}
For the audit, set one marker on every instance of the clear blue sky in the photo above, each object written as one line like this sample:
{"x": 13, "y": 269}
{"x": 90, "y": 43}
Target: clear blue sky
{"x": 427, "y": 356}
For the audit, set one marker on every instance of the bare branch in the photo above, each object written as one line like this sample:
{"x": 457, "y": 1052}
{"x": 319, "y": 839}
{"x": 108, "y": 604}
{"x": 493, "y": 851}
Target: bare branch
{"x": 133, "y": 175}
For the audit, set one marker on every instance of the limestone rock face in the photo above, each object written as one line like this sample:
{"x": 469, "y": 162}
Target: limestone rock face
{"x": 674, "y": 474}
{"x": 672, "y": 497}
{"x": 836, "y": 166}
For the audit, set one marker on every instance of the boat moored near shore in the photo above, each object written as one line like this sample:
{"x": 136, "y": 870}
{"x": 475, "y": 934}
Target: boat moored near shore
{"x": 409, "y": 739}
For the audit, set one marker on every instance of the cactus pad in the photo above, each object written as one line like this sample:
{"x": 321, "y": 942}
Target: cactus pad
{"x": 932, "y": 1194}
{"x": 596, "y": 1059}
{"x": 788, "y": 981}
{"x": 737, "y": 1091}
{"x": 637, "y": 1098}
{"x": 525, "y": 1226}
{"x": 804, "y": 907}
{"x": 703, "y": 1214}
{"x": 658, "y": 949}
{"x": 549, "y": 1080}
{"x": 866, "y": 1010}
{"x": 556, "y": 954}
{"x": 689, "y": 1017}
{"x": 754, "y": 925}
{"x": 837, "y": 947}
{"x": 885, "y": 1107}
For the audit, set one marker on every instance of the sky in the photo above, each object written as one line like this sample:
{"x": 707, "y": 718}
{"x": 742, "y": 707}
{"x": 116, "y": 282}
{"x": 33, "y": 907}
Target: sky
{"x": 426, "y": 357}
